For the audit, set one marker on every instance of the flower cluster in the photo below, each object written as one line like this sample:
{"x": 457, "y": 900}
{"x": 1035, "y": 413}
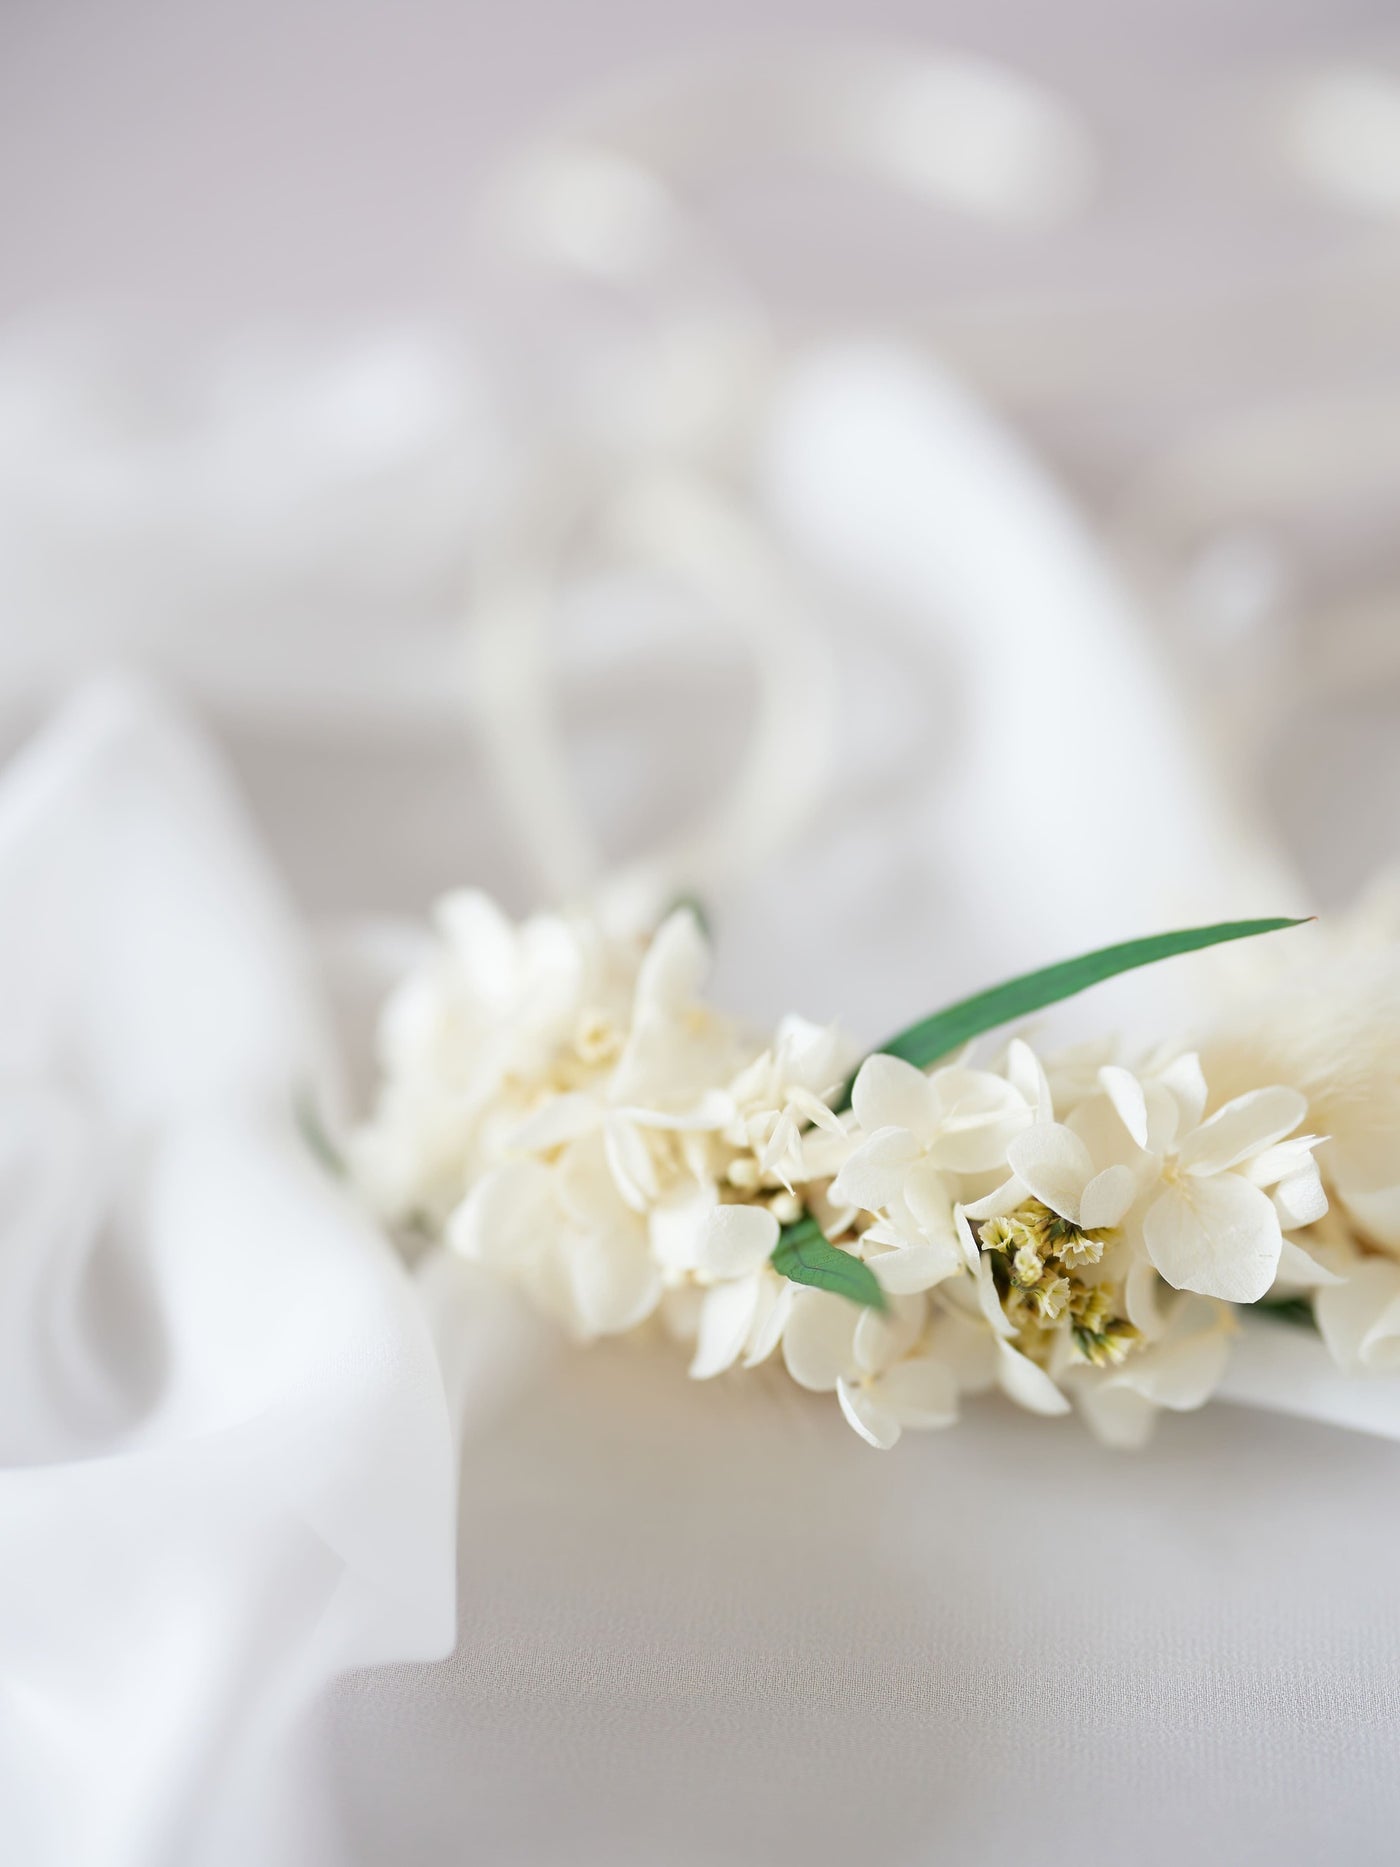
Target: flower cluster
{"x": 562, "y": 1105}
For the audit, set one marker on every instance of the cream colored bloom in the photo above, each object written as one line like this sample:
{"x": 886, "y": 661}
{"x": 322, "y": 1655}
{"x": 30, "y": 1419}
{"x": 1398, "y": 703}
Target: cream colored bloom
{"x": 875, "y": 1364}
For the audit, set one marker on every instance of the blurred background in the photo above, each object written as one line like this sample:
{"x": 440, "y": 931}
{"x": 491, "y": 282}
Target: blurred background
{"x": 750, "y": 445}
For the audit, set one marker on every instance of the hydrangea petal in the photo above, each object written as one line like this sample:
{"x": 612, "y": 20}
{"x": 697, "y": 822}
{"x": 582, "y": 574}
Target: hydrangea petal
{"x": 1054, "y": 1164}
{"x": 735, "y": 1241}
{"x": 1026, "y": 1384}
{"x": 771, "y": 1313}
{"x": 819, "y": 1340}
{"x": 1248, "y": 1125}
{"x": 1359, "y": 1320}
{"x": 1107, "y": 1198}
{"x": 1218, "y": 1236}
{"x": 873, "y": 1177}
{"x": 864, "y": 1412}
{"x": 1129, "y": 1102}
{"x": 920, "y": 1392}
{"x": 890, "y": 1093}
{"x": 726, "y": 1317}
{"x": 615, "y": 1283}
{"x": 1300, "y": 1198}
{"x": 909, "y": 1268}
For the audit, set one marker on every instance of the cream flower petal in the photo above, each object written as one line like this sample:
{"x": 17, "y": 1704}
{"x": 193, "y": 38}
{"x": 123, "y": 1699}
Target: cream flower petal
{"x": 1126, "y": 1094}
{"x": 629, "y": 1162}
{"x": 819, "y": 1340}
{"x": 1300, "y": 1270}
{"x": 771, "y": 1313}
{"x": 1026, "y": 1074}
{"x": 1001, "y": 1200}
{"x": 1218, "y": 1236}
{"x": 1185, "y": 1081}
{"x": 710, "y": 1113}
{"x": 920, "y": 1392}
{"x": 1359, "y": 1320}
{"x": 1282, "y": 1160}
{"x": 1116, "y": 1415}
{"x": 510, "y": 1209}
{"x": 1184, "y": 1369}
{"x": 1248, "y": 1125}
{"x": 674, "y": 969}
{"x": 863, "y": 1411}
{"x": 726, "y": 1317}
{"x": 1054, "y": 1163}
{"x": 989, "y": 1301}
{"x": 1029, "y": 1386}
{"x": 614, "y": 1282}
{"x": 874, "y": 1175}
{"x": 967, "y": 1348}
{"x": 811, "y": 1108}
{"x": 890, "y": 1093}
{"x": 557, "y": 1121}
{"x": 979, "y": 1113}
{"x": 676, "y": 1222}
{"x": 910, "y": 1268}
{"x": 735, "y": 1241}
{"x": 881, "y": 1340}
{"x": 1300, "y": 1199}
{"x": 1107, "y": 1198}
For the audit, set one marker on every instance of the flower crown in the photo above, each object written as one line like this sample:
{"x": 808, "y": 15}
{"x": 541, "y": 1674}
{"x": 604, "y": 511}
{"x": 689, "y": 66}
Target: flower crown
{"x": 561, "y": 1105}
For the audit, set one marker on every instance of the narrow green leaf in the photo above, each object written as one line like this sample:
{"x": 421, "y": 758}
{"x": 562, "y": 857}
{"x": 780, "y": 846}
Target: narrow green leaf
{"x": 1295, "y": 1310}
{"x": 924, "y": 1043}
{"x": 805, "y": 1256}
{"x": 313, "y": 1133}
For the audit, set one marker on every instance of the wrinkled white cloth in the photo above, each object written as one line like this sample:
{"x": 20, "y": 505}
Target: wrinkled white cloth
{"x": 227, "y": 1467}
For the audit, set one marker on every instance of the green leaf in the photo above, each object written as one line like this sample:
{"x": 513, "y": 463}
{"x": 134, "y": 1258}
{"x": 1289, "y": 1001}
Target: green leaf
{"x": 1295, "y": 1310}
{"x": 313, "y": 1133}
{"x": 924, "y": 1043}
{"x": 805, "y": 1256}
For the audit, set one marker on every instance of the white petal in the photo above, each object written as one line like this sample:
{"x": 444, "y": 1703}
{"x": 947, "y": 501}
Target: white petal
{"x": 1282, "y": 1160}
{"x": 726, "y": 1316}
{"x": 979, "y": 1113}
{"x": 890, "y": 1093}
{"x": 1125, "y": 1092}
{"x": 1026, "y": 1074}
{"x": 1107, "y": 1198}
{"x": 614, "y": 1281}
{"x": 929, "y": 1198}
{"x": 811, "y": 1108}
{"x": 967, "y": 1348}
{"x": 874, "y": 1174}
{"x": 996, "y": 1204}
{"x": 1054, "y": 1163}
{"x": 1359, "y": 1320}
{"x": 629, "y": 1162}
{"x": 1300, "y": 1199}
{"x": 508, "y": 1214}
{"x": 882, "y": 1339}
{"x": 819, "y": 1340}
{"x": 1218, "y": 1236}
{"x": 711, "y": 1112}
{"x": 1117, "y": 1416}
{"x": 1185, "y": 1082}
{"x": 1300, "y": 1270}
{"x": 863, "y": 1411}
{"x": 676, "y": 1222}
{"x": 1184, "y": 1369}
{"x": 1027, "y": 1385}
{"x": 989, "y": 1301}
{"x": 562, "y": 1118}
{"x": 1248, "y": 1125}
{"x": 735, "y": 1241}
{"x": 915, "y": 1267}
{"x": 673, "y": 971}
{"x": 770, "y": 1318}
{"x": 919, "y": 1392}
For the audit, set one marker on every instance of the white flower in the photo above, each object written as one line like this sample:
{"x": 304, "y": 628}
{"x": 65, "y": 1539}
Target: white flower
{"x": 1180, "y": 1370}
{"x": 872, "y": 1362}
{"x": 1203, "y": 1212}
{"x": 920, "y": 1132}
{"x": 563, "y": 1234}
{"x": 784, "y": 1089}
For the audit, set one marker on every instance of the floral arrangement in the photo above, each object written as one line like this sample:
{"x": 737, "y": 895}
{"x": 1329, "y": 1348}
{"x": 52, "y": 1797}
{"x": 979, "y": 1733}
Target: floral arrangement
{"x": 561, "y": 1105}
